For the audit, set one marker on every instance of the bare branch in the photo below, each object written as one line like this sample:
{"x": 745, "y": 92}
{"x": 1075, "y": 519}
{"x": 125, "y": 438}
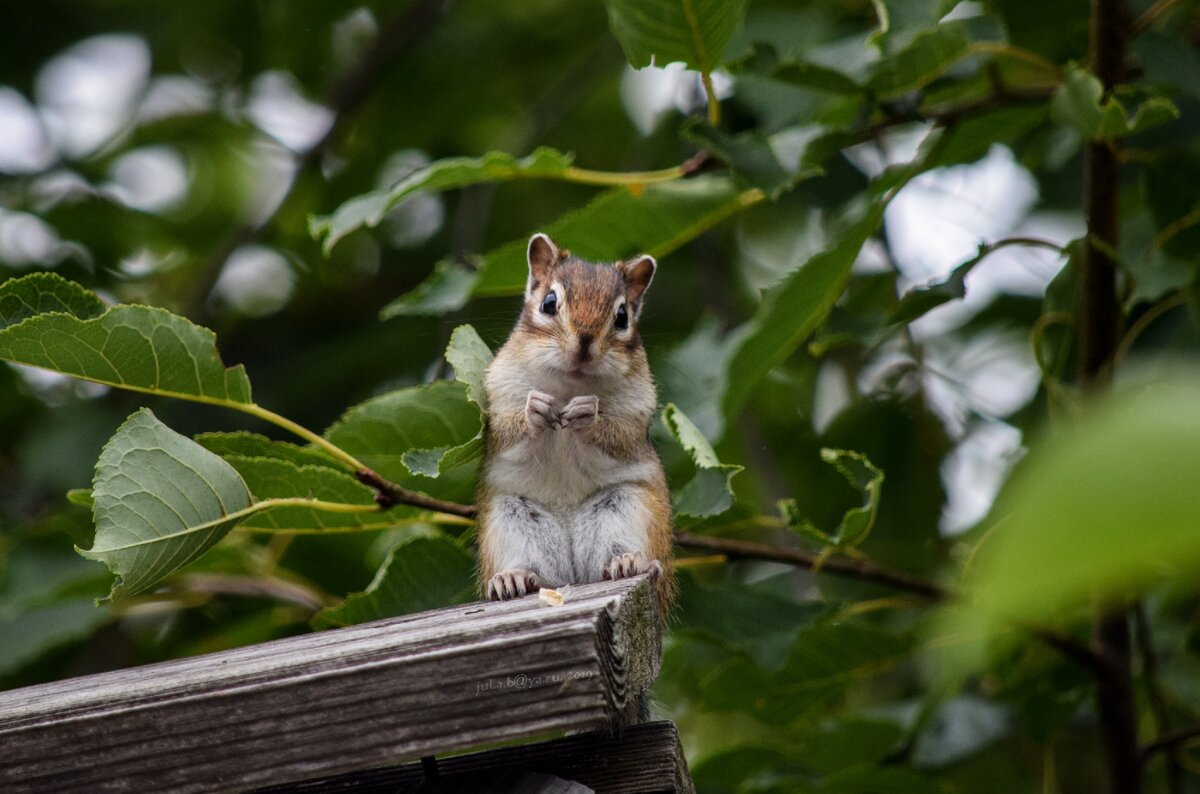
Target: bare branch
{"x": 388, "y": 494}
{"x": 863, "y": 570}
{"x": 1168, "y": 741}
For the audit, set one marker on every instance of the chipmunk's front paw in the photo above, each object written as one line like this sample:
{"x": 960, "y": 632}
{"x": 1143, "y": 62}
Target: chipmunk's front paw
{"x": 580, "y": 412}
{"x": 631, "y": 563}
{"x": 540, "y": 411}
{"x": 512, "y": 583}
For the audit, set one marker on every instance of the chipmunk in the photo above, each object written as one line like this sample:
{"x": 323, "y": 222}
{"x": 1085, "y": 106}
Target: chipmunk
{"x": 572, "y": 490}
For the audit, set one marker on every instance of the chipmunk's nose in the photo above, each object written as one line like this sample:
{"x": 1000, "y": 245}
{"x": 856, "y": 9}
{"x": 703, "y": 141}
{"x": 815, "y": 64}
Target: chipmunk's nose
{"x": 585, "y": 347}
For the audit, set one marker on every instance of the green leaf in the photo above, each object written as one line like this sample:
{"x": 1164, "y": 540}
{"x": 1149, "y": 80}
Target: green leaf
{"x": 970, "y": 138}
{"x": 26, "y": 635}
{"x": 816, "y": 77}
{"x": 622, "y": 222}
{"x": 857, "y": 522}
{"x": 793, "y": 309}
{"x": 901, "y": 20}
{"x": 161, "y": 500}
{"x": 921, "y": 62}
{"x": 824, "y": 662}
{"x": 882, "y": 780}
{"x": 654, "y": 219}
{"x": 455, "y": 172}
{"x": 771, "y": 163}
{"x": 710, "y": 491}
{"x": 81, "y": 497}
{"x": 447, "y": 289}
{"x": 1080, "y": 104}
{"x": 694, "y": 32}
{"x": 38, "y": 293}
{"x": 140, "y": 348}
{"x": 419, "y": 430}
{"x": 422, "y": 573}
{"x": 745, "y": 618}
{"x": 254, "y": 445}
{"x": 1106, "y": 509}
{"x": 470, "y": 356}
{"x": 277, "y": 478}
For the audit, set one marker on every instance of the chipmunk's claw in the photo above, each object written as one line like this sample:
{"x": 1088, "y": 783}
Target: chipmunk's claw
{"x": 512, "y": 583}
{"x": 540, "y": 411}
{"x": 580, "y": 412}
{"x": 631, "y": 563}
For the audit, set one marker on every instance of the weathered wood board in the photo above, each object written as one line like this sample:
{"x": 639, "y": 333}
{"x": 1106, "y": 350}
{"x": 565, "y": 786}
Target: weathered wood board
{"x": 355, "y": 698}
{"x": 637, "y": 759}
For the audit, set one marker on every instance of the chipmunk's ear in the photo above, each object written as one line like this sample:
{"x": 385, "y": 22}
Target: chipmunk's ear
{"x": 638, "y": 273}
{"x": 543, "y": 255}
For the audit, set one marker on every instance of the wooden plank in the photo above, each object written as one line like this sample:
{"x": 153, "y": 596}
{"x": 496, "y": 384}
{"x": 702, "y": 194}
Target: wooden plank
{"x": 353, "y": 698}
{"x": 640, "y": 758}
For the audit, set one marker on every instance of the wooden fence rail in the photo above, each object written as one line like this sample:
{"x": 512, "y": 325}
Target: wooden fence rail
{"x": 348, "y": 699}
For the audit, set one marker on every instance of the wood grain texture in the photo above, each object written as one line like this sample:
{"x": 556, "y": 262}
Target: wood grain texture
{"x": 365, "y": 696}
{"x": 636, "y": 759}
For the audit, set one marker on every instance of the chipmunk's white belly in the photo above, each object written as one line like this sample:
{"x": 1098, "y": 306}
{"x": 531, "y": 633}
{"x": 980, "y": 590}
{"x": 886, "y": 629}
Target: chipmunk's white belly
{"x": 559, "y": 470}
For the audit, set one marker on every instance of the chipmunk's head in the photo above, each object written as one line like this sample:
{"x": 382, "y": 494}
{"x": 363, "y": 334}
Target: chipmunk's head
{"x": 580, "y": 318}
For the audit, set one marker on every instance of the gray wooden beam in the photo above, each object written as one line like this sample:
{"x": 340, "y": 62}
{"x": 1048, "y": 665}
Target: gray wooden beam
{"x": 634, "y": 760}
{"x": 320, "y": 704}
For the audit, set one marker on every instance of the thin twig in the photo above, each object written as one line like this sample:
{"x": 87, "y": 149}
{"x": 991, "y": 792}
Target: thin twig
{"x": 1177, "y": 737}
{"x": 950, "y": 115}
{"x": 1154, "y": 692}
{"x": 1144, "y": 321}
{"x": 867, "y": 571}
{"x": 864, "y": 570}
{"x": 389, "y": 494}
{"x": 1152, "y": 15}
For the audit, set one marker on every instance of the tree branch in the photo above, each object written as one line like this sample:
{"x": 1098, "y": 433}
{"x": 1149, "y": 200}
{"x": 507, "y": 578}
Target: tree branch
{"x": 389, "y": 494}
{"x": 1172, "y": 740}
{"x": 1158, "y": 703}
{"x": 1098, "y": 335}
{"x": 863, "y": 570}
{"x": 950, "y": 115}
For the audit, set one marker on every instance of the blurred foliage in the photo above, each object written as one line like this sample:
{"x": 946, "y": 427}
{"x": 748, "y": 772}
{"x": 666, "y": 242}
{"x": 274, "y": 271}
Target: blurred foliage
{"x": 869, "y": 221}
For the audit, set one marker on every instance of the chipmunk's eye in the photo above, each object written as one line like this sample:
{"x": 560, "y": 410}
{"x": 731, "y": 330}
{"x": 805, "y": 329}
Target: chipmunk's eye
{"x": 622, "y": 320}
{"x": 550, "y": 303}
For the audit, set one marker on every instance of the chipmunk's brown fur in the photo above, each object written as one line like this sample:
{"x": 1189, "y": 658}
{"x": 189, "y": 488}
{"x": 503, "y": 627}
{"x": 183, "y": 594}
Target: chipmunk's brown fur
{"x": 572, "y": 490}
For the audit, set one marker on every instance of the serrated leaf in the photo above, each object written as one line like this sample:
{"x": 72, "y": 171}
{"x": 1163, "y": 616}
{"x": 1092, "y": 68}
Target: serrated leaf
{"x": 417, "y": 430}
{"x": 422, "y": 573}
{"x": 455, "y": 172}
{"x": 470, "y": 357}
{"x": 694, "y": 32}
{"x": 923, "y": 60}
{"x": 254, "y": 445}
{"x": 857, "y": 522}
{"x": 710, "y": 491}
{"x": 38, "y": 293}
{"x": 926, "y": 297}
{"x": 279, "y": 478}
{"x": 161, "y": 500}
{"x": 793, "y": 309}
{"x": 141, "y": 348}
{"x": 447, "y": 289}
{"x": 1080, "y": 104}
